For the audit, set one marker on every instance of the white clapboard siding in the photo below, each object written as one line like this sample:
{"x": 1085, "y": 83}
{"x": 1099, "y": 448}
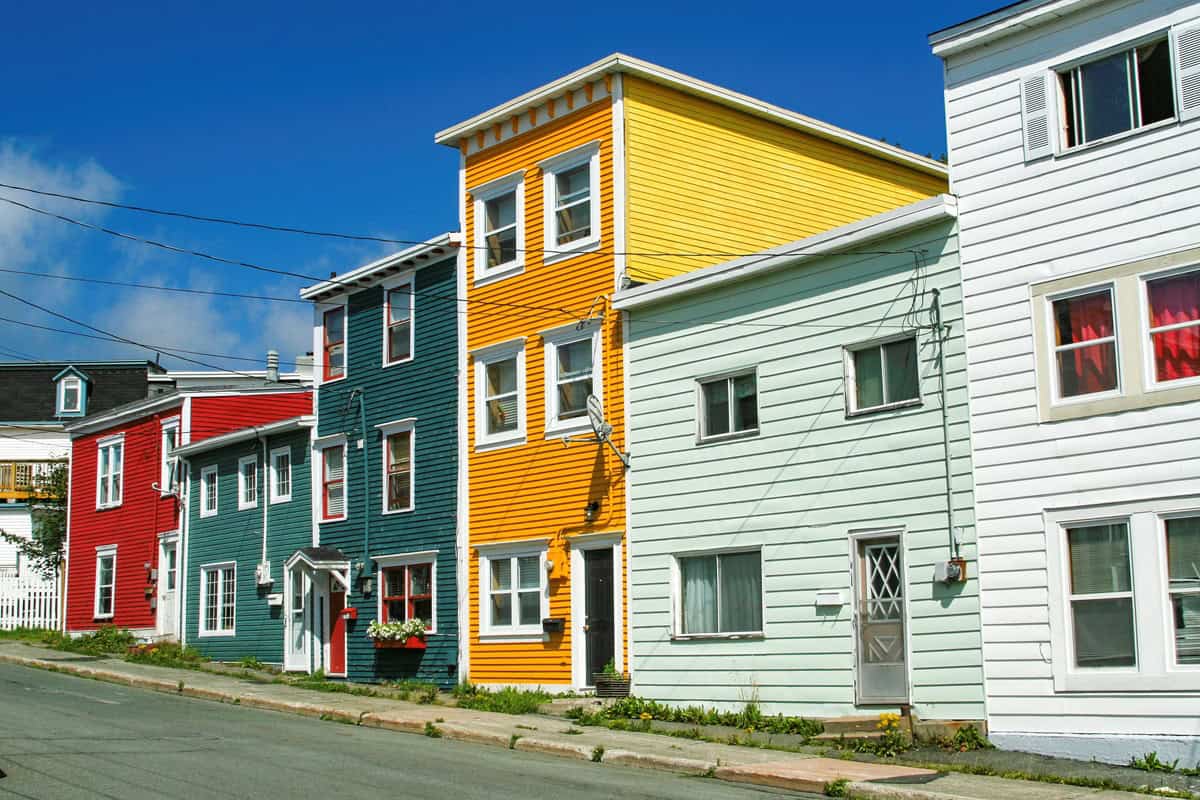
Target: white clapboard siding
{"x": 28, "y": 601}
{"x": 1026, "y": 218}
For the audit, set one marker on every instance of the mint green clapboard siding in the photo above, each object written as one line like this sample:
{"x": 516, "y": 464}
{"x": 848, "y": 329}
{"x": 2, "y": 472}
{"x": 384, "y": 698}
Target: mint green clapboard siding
{"x": 236, "y": 535}
{"x": 809, "y": 478}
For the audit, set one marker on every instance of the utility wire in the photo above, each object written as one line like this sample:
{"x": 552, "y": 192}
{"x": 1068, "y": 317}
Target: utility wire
{"x": 132, "y": 285}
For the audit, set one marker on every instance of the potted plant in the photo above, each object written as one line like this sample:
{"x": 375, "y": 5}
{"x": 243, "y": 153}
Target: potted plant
{"x": 408, "y": 635}
{"x": 610, "y": 683}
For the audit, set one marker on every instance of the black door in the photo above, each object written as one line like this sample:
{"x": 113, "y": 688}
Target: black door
{"x": 598, "y": 603}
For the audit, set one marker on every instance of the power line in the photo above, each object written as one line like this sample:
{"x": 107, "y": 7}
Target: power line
{"x": 132, "y": 285}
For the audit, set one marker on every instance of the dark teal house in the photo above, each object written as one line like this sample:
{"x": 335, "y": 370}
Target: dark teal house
{"x": 386, "y": 340}
{"x": 249, "y": 511}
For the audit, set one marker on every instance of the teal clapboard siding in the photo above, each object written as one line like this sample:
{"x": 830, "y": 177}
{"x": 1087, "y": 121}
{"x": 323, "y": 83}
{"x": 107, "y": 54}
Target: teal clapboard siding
{"x": 811, "y": 477}
{"x": 424, "y": 388}
{"x": 234, "y": 535}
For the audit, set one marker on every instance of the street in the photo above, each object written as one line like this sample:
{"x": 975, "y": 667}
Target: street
{"x": 69, "y": 737}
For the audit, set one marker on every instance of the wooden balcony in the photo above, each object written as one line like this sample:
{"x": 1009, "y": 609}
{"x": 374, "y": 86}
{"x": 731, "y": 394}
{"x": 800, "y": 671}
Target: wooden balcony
{"x": 19, "y": 479}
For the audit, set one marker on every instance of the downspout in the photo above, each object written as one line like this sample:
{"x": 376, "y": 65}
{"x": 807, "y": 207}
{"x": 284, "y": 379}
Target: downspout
{"x": 938, "y": 330}
{"x": 362, "y": 413}
{"x": 264, "y": 493}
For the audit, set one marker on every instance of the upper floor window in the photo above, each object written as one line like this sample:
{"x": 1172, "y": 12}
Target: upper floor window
{"x": 109, "y": 470}
{"x": 883, "y": 375}
{"x": 70, "y": 399}
{"x": 169, "y": 466}
{"x": 333, "y": 482}
{"x": 573, "y": 361}
{"x": 1117, "y": 93}
{"x": 1085, "y": 343}
{"x": 500, "y": 394}
{"x": 571, "y": 184}
{"x": 208, "y": 491}
{"x": 499, "y": 227}
{"x": 281, "y": 475}
{"x": 1173, "y": 307}
{"x": 398, "y": 322}
{"x": 398, "y": 468}
{"x": 728, "y": 406}
{"x": 334, "y": 332}
{"x": 247, "y": 482}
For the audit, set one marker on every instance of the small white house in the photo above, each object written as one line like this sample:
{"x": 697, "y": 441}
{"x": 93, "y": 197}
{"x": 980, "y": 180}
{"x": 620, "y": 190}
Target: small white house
{"x": 1074, "y": 144}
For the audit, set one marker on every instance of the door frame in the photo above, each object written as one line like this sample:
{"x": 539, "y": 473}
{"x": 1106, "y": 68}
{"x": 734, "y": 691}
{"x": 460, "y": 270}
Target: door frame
{"x": 856, "y": 540}
{"x": 168, "y": 538}
{"x": 578, "y": 544}
{"x": 291, "y": 574}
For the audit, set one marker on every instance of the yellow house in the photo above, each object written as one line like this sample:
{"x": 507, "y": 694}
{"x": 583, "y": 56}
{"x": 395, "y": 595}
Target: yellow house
{"x": 621, "y": 172}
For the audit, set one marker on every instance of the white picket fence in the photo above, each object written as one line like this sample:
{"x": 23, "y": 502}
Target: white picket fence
{"x": 28, "y": 601}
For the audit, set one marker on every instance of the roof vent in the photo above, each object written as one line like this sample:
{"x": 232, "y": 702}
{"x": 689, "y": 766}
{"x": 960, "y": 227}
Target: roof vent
{"x": 272, "y": 366}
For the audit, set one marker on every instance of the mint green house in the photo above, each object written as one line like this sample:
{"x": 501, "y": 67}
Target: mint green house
{"x": 794, "y": 538}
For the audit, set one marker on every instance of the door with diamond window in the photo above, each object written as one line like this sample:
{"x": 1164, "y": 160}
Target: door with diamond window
{"x": 880, "y": 622}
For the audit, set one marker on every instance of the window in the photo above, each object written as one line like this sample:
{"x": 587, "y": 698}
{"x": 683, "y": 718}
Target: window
{"x": 1173, "y": 305}
{"x": 218, "y": 599}
{"x": 883, "y": 375}
{"x": 208, "y": 491}
{"x": 398, "y": 457}
{"x": 408, "y": 594}
{"x": 111, "y": 454}
{"x": 398, "y": 322}
{"x": 334, "y": 331}
{"x": 333, "y": 482}
{"x": 106, "y": 581}
{"x": 514, "y": 593}
{"x": 499, "y": 392}
{"x": 1085, "y": 344}
{"x": 281, "y": 475}
{"x": 1101, "y": 596}
{"x": 70, "y": 399}
{"x": 499, "y": 227}
{"x": 728, "y": 406}
{"x": 247, "y": 482}
{"x": 1117, "y": 93}
{"x": 573, "y": 361}
{"x": 571, "y": 185}
{"x": 1183, "y": 579}
{"x": 168, "y": 471}
{"x": 720, "y": 594}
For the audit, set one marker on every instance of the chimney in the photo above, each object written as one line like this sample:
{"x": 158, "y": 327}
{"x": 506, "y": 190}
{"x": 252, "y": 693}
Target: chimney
{"x": 304, "y": 366}
{"x": 272, "y": 366}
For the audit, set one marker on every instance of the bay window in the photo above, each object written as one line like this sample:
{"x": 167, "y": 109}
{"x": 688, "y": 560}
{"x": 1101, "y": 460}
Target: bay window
{"x": 719, "y": 594}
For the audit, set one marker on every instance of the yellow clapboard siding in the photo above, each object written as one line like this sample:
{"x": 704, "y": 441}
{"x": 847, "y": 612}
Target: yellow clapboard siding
{"x": 704, "y": 178}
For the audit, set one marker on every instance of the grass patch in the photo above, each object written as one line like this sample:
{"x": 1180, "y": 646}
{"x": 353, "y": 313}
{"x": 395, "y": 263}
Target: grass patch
{"x": 501, "y": 701}
{"x": 598, "y": 754}
{"x": 836, "y": 788}
{"x": 414, "y": 691}
{"x": 432, "y": 731}
{"x": 106, "y": 640}
{"x": 25, "y": 635}
{"x": 250, "y": 662}
{"x": 750, "y": 719}
{"x": 166, "y": 654}
{"x": 1041, "y": 777}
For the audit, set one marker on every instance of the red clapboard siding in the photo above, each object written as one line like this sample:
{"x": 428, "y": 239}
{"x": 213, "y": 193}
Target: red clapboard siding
{"x": 212, "y": 416}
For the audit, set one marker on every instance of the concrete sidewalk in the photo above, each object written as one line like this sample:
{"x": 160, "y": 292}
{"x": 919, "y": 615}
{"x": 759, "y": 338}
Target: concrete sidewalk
{"x": 535, "y": 733}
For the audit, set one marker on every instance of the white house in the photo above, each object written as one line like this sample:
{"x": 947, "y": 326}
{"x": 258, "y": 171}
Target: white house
{"x": 1074, "y": 144}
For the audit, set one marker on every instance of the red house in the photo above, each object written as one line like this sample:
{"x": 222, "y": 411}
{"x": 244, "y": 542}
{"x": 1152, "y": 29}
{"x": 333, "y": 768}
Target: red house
{"x": 125, "y": 508}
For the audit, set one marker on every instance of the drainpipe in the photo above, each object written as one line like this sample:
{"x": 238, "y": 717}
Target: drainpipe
{"x": 264, "y": 490}
{"x": 362, "y": 413}
{"x": 938, "y": 330}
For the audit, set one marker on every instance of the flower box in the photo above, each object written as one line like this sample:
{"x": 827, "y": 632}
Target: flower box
{"x": 411, "y": 643}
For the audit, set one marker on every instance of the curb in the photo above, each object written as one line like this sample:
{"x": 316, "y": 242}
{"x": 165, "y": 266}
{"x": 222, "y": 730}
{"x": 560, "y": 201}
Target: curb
{"x": 882, "y": 791}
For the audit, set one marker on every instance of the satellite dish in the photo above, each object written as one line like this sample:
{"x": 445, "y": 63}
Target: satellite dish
{"x": 595, "y": 412}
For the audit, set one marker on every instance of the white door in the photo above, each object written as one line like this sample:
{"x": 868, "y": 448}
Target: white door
{"x": 880, "y": 617}
{"x": 168, "y": 581}
{"x": 296, "y": 629}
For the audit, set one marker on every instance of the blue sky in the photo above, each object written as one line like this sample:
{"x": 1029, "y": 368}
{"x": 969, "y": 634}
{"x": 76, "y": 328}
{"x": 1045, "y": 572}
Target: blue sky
{"x": 323, "y": 115}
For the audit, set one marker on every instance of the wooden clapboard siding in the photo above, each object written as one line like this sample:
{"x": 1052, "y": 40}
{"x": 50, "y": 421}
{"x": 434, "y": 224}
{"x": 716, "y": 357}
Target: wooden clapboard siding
{"x": 705, "y": 178}
{"x": 798, "y": 488}
{"x": 235, "y": 534}
{"x": 1025, "y": 223}
{"x": 539, "y": 489}
{"x": 425, "y": 389}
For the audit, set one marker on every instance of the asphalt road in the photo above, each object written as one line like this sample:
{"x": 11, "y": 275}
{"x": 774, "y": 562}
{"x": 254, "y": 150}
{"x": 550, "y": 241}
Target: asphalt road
{"x": 68, "y": 737}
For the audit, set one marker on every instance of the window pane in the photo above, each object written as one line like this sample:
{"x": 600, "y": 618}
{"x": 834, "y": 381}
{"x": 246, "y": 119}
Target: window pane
{"x": 574, "y": 222}
{"x": 531, "y": 608}
{"x": 395, "y": 610}
{"x": 394, "y": 582}
{"x": 574, "y": 377}
{"x": 1156, "y": 90}
{"x": 501, "y": 247}
{"x": 70, "y": 397}
{"x": 334, "y": 325}
{"x": 868, "y": 378}
{"x": 741, "y": 592}
{"x": 502, "y": 609}
{"x": 419, "y": 579}
{"x": 333, "y": 463}
{"x": 399, "y": 471}
{"x": 210, "y": 600}
{"x": 530, "y": 569}
{"x": 698, "y": 584}
{"x": 573, "y": 184}
{"x": 501, "y": 211}
{"x": 1087, "y": 370}
{"x": 1104, "y": 633}
{"x": 502, "y": 377}
{"x": 501, "y": 574}
{"x": 1173, "y": 301}
{"x": 1070, "y": 86}
{"x": 501, "y": 394}
{"x": 423, "y": 610}
{"x": 1183, "y": 565}
{"x": 398, "y": 301}
{"x": 716, "y": 407}
{"x": 900, "y": 361}
{"x": 399, "y": 341}
{"x": 229, "y": 588}
{"x": 1106, "y": 100}
{"x": 1083, "y": 318}
{"x": 745, "y": 403}
{"x": 106, "y": 572}
{"x": 1099, "y": 559}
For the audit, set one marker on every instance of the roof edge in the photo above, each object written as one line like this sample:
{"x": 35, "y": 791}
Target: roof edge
{"x": 368, "y": 272}
{"x": 245, "y": 434}
{"x": 1002, "y": 22}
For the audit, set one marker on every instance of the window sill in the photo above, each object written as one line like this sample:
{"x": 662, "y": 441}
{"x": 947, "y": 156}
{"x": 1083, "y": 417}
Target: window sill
{"x": 392, "y": 512}
{"x": 701, "y": 637}
{"x": 564, "y": 252}
{"x": 225, "y": 635}
{"x": 556, "y": 430}
{"x": 862, "y": 412}
{"x": 247, "y": 507}
{"x": 108, "y": 507}
{"x": 1126, "y": 681}
{"x": 323, "y": 520}
{"x": 325, "y": 381}
{"x": 499, "y": 444}
{"x": 728, "y": 437}
{"x": 514, "y": 637}
{"x": 279, "y": 500}
{"x": 398, "y": 362}
{"x": 102, "y": 617}
{"x": 207, "y": 514}
{"x": 1116, "y": 137}
{"x": 497, "y": 274}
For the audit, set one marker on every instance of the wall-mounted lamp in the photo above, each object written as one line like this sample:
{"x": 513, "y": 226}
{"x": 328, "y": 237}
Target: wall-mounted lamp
{"x": 590, "y": 511}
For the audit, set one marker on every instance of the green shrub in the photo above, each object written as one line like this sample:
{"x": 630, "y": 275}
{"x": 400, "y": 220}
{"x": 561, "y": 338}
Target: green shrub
{"x": 502, "y": 701}
{"x": 165, "y": 654}
{"x": 969, "y": 738}
{"x": 749, "y": 718}
{"x": 1151, "y": 763}
{"x": 836, "y": 788}
{"x": 107, "y": 640}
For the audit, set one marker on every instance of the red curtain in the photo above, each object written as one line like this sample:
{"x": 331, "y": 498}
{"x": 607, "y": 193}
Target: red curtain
{"x": 1086, "y": 369}
{"x": 1172, "y": 301}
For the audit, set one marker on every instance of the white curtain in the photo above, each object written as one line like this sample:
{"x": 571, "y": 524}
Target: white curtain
{"x": 699, "y": 579}
{"x": 741, "y": 593}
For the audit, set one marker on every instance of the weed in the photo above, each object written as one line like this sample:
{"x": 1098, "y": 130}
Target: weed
{"x": 750, "y": 718}
{"x": 440, "y": 719}
{"x": 512, "y": 741}
{"x": 165, "y": 654}
{"x": 573, "y": 731}
{"x": 503, "y": 701}
{"x": 969, "y": 738}
{"x": 427, "y": 695}
{"x": 598, "y": 753}
{"x": 432, "y": 731}
{"x": 250, "y": 662}
{"x": 711, "y": 772}
{"x": 107, "y": 640}
{"x": 527, "y": 727}
{"x": 1151, "y": 763}
{"x": 836, "y": 788}
{"x": 25, "y": 634}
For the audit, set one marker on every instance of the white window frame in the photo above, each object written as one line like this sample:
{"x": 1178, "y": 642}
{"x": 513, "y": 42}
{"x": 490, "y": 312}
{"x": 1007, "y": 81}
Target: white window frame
{"x": 318, "y": 472}
{"x": 115, "y": 499}
{"x": 242, "y": 502}
{"x": 206, "y": 494}
{"x": 169, "y": 468}
{"x": 551, "y": 167}
{"x": 77, "y": 382}
{"x": 275, "y": 496}
{"x": 501, "y": 551}
{"x": 394, "y": 560}
{"x": 852, "y": 408}
{"x": 553, "y": 339}
{"x": 407, "y": 279}
{"x": 1056, "y": 398}
{"x": 102, "y": 552}
{"x": 677, "y": 593}
{"x": 1152, "y": 383}
{"x": 1172, "y": 654}
{"x": 219, "y": 568}
{"x": 1154, "y": 629}
{"x": 321, "y": 309}
{"x": 387, "y": 430}
{"x": 490, "y": 355}
{"x": 726, "y": 377}
{"x": 513, "y": 182}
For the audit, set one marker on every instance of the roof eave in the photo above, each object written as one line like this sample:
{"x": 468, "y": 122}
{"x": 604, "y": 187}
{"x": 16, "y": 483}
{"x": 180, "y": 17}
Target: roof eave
{"x": 998, "y": 24}
{"x": 245, "y": 435}
{"x": 364, "y": 276}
